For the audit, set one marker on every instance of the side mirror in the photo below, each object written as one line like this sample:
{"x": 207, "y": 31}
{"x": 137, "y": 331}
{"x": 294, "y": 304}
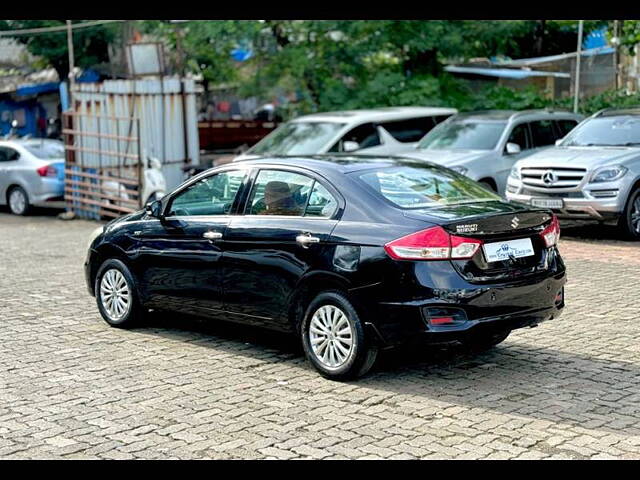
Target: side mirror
{"x": 513, "y": 148}
{"x": 559, "y": 141}
{"x": 154, "y": 209}
{"x": 350, "y": 146}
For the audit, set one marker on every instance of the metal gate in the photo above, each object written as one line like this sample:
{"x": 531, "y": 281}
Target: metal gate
{"x": 103, "y": 172}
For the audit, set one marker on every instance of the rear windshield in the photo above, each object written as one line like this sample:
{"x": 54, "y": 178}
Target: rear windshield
{"x": 45, "y": 150}
{"x": 425, "y": 186}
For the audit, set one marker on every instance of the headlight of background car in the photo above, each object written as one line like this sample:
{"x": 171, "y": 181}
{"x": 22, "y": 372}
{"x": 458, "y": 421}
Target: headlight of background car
{"x": 515, "y": 173}
{"x": 461, "y": 170}
{"x": 608, "y": 174}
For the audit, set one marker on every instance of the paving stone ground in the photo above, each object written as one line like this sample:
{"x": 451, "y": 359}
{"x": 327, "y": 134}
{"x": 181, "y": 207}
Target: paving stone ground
{"x": 72, "y": 387}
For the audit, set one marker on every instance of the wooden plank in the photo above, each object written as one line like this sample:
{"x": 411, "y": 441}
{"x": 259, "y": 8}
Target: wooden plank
{"x": 100, "y": 186}
{"x": 101, "y": 135}
{"x": 110, "y": 117}
{"x": 125, "y": 181}
{"x": 101, "y": 152}
{"x": 88, "y": 201}
{"x": 103, "y": 196}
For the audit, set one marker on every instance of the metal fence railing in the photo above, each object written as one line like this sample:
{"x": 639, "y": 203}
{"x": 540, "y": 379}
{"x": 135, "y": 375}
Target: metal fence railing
{"x": 103, "y": 172}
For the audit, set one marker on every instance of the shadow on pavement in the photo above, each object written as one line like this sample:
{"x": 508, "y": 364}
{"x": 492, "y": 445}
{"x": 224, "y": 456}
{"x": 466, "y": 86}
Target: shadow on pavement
{"x": 538, "y": 383}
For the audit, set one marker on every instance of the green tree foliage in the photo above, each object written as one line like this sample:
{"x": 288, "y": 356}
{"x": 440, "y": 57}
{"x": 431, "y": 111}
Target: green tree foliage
{"x": 335, "y": 64}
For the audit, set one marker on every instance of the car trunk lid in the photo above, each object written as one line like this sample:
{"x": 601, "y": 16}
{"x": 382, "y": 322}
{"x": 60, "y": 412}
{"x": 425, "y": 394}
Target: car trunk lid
{"x": 494, "y": 223}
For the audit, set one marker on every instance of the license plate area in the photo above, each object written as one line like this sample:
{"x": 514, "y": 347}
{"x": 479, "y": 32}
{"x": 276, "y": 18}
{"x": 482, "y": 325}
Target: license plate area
{"x": 557, "y": 203}
{"x": 505, "y": 250}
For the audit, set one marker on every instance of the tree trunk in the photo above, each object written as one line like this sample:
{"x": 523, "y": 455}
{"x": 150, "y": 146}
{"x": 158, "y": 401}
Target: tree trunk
{"x": 424, "y": 62}
{"x": 538, "y": 37}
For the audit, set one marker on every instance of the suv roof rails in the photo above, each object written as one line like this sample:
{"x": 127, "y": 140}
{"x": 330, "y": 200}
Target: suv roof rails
{"x": 617, "y": 111}
{"x": 538, "y": 110}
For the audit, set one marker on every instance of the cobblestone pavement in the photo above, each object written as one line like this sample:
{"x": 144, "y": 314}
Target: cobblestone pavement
{"x": 71, "y": 387}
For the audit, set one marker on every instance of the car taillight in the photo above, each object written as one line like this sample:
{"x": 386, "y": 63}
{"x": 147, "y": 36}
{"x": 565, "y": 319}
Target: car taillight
{"x": 47, "y": 171}
{"x": 432, "y": 244}
{"x": 551, "y": 234}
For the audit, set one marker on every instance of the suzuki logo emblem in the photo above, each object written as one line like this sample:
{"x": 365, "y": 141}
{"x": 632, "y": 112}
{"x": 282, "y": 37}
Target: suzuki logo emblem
{"x": 549, "y": 177}
{"x": 515, "y": 222}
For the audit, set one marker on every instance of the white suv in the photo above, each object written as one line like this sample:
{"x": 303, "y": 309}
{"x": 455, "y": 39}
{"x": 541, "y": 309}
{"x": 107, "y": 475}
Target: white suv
{"x": 380, "y": 131}
{"x": 485, "y": 145}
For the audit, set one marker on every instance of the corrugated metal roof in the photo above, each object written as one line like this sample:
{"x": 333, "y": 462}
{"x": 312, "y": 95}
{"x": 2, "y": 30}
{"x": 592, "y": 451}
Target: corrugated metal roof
{"x": 505, "y": 72}
{"x": 552, "y": 58}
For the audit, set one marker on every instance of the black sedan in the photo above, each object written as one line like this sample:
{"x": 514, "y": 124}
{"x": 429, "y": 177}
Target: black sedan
{"x": 353, "y": 254}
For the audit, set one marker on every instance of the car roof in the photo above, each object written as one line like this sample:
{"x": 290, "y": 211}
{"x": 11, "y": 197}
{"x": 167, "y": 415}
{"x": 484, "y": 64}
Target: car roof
{"x": 510, "y": 115}
{"x": 375, "y": 114}
{"x": 344, "y": 163}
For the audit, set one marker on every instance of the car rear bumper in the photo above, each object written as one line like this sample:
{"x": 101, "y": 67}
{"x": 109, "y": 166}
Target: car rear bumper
{"x": 578, "y": 208}
{"x": 486, "y": 307}
{"x": 50, "y": 193}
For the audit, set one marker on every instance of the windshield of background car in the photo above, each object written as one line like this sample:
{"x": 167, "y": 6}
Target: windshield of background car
{"x": 464, "y": 135}
{"x": 297, "y": 138}
{"x": 45, "y": 150}
{"x": 425, "y": 186}
{"x": 605, "y": 131}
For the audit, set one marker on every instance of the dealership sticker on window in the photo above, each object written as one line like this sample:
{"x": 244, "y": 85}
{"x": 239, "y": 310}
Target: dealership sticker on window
{"x": 500, "y": 251}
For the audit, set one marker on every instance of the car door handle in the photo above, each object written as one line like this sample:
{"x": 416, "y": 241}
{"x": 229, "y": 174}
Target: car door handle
{"x": 212, "y": 235}
{"x": 306, "y": 239}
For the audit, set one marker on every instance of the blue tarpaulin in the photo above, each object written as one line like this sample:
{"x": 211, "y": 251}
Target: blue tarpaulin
{"x": 37, "y": 88}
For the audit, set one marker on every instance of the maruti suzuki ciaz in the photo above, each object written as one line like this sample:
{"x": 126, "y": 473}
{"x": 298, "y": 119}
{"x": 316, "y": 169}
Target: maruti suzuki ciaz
{"x": 352, "y": 254}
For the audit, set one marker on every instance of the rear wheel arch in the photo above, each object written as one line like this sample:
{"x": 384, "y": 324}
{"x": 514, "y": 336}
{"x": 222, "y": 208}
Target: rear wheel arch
{"x": 308, "y": 288}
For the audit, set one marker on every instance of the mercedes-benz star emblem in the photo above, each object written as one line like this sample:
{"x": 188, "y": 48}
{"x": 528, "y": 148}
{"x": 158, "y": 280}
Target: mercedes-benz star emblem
{"x": 549, "y": 177}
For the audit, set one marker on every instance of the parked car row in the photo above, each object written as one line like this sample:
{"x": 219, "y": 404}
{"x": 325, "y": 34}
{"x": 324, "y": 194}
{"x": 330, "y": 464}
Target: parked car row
{"x": 585, "y": 169}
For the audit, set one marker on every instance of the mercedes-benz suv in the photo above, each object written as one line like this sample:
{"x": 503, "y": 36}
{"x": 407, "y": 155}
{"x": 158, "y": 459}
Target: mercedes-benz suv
{"x": 593, "y": 173}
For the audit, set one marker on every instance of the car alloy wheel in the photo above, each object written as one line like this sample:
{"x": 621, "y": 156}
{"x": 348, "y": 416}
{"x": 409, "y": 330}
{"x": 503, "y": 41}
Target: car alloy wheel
{"x": 115, "y": 294}
{"x": 17, "y": 201}
{"x": 331, "y": 337}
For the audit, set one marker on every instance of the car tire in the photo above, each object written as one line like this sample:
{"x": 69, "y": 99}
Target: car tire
{"x": 488, "y": 185}
{"x": 629, "y": 222}
{"x": 331, "y": 320}
{"x": 481, "y": 342}
{"x": 18, "y": 201}
{"x": 122, "y": 308}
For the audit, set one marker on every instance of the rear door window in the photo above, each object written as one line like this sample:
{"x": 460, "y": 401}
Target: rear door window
{"x": 8, "y": 154}
{"x": 365, "y": 135}
{"x": 542, "y": 133}
{"x": 410, "y": 130}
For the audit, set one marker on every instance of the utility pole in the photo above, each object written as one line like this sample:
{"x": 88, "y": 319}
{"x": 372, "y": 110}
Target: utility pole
{"x": 72, "y": 80}
{"x": 578, "y": 56}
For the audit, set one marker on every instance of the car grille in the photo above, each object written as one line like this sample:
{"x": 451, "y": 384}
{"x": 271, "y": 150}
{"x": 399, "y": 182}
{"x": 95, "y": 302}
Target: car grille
{"x": 552, "y": 194}
{"x": 552, "y": 177}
